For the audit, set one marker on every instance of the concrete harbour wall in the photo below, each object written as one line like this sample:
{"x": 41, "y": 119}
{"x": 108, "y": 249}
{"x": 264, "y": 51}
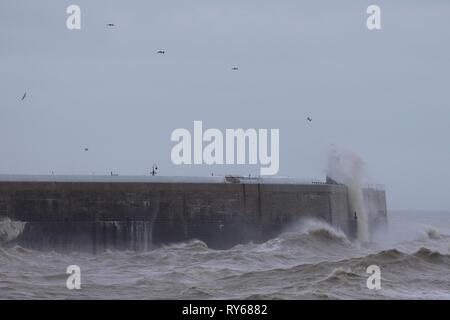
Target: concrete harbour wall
{"x": 98, "y": 213}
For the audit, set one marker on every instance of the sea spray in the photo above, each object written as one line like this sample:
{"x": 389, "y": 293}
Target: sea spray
{"x": 302, "y": 263}
{"x": 348, "y": 168}
{"x": 10, "y": 230}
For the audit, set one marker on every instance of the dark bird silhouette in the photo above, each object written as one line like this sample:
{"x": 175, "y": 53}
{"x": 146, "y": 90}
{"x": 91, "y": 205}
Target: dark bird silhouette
{"x": 154, "y": 170}
{"x": 111, "y": 25}
{"x": 309, "y": 119}
{"x": 24, "y": 96}
{"x": 234, "y": 68}
{"x": 86, "y": 149}
{"x": 161, "y": 52}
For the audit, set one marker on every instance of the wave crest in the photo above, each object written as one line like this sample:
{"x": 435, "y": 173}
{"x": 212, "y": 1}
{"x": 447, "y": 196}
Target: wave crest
{"x": 309, "y": 235}
{"x": 327, "y": 234}
{"x": 187, "y": 245}
{"x": 340, "y": 274}
{"x": 322, "y": 232}
{"x": 428, "y": 255}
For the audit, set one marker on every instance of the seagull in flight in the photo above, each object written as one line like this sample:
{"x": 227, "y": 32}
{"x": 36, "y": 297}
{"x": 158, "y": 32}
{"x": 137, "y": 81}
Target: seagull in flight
{"x": 234, "y": 68}
{"x": 86, "y": 149}
{"x": 309, "y": 119}
{"x": 24, "y": 96}
{"x": 161, "y": 52}
{"x": 111, "y": 25}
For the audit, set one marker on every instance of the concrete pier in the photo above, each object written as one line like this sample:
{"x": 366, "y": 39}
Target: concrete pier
{"x": 94, "y": 213}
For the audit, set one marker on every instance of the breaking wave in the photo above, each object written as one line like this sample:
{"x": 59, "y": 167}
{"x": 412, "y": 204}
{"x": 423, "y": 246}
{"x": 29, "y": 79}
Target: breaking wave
{"x": 311, "y": 260}
{"x": 10, "y": 230}
{"x": 434, "y": 234}
{"x": 309, "y": 232}
{"x": 327, "y": 234}
{"x": 430, "y": 255}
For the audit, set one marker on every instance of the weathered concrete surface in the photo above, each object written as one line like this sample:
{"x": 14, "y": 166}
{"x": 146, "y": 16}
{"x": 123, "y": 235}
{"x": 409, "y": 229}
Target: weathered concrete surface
{"x": 105, "y": 213}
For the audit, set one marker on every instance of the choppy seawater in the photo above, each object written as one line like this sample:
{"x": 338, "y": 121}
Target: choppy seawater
{"x": 309, "y": 261}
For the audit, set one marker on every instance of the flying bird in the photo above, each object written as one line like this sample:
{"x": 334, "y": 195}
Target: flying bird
{"x": 111, "y": 24}
{"x": 154, "y": 170}
{"x": 309, "y": 119}
{"x": 24, "y": 96}
{"x": 86, "y": 149}
{"x": 234, "y": 68}
{"x": 161, "y": 52}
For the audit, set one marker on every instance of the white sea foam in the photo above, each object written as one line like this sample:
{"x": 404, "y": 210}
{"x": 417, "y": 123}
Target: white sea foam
{"x": 10, "y": 230}
{"x": 311, "y": 260}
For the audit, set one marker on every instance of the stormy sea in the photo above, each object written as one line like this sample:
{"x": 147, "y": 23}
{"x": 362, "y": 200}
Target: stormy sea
{"x": 311, "y": 260}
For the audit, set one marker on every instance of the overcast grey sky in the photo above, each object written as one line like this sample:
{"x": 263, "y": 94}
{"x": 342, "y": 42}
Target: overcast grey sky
{"x": 382, "y": 94}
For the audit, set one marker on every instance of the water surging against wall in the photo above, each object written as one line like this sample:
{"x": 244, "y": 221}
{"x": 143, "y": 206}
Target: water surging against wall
{"x": 10, "y": 230}
{"x": 311, "y": 260}
{"x": 348, "y": 168}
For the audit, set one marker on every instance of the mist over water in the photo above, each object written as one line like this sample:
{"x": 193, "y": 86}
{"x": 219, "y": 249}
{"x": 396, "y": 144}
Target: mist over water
{"x": 310, "y": 260}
